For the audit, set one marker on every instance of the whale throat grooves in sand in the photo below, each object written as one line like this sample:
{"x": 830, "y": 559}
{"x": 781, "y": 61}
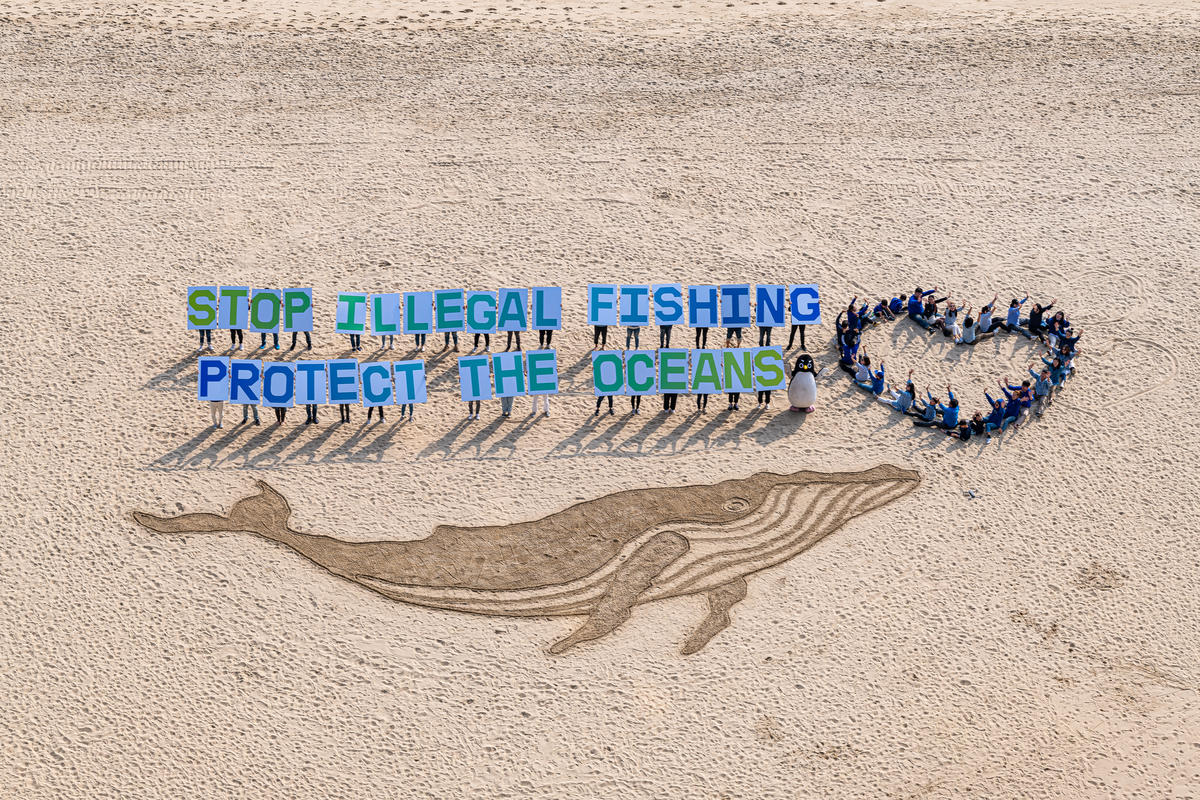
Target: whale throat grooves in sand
{"x": 595, "y": 559}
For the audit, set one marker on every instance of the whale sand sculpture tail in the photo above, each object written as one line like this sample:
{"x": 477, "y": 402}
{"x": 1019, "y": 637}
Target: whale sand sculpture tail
{"x": 265, "y": 513}
{"x": 596, "y": 559}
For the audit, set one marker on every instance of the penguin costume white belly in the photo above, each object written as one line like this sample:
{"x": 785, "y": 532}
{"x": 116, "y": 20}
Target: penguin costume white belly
{"x": 802, "y": 391}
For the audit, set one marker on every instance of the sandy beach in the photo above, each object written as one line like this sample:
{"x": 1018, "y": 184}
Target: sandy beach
{"x": 1022, "y": 624}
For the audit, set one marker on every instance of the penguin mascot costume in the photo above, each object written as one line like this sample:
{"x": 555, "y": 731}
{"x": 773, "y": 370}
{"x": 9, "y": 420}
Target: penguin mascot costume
{"x": 802, "y": 391}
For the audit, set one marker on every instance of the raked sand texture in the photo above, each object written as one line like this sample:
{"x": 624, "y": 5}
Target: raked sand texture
{"x": 1037, "y": 641}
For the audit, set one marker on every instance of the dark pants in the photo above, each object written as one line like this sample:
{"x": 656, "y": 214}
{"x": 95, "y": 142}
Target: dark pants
{"x": 664, "y": 335}
{"x": 732, "y": 333}
{"x": 764, "y": 397}
{"x": 701, "y": 337}
{"x": 600, "y": 400}
{"x": 544, "y": 338}
{"x": 600, "y": 336}
{"x": 246, "y": 413}
{"x": 355, "y": 341}
{"x": 206, "y": 336}
{"x": 280, "y": 413}
{"x": 263, "y": 342}
{"x": 371, "y": 409}
{"x": 733, "y": 399}
{"x": 473, "y": 406}
{"x": 792, "y": 337}
{"x": 235, "y": 337}
{"x": 701, "y": 402}
{"x": 487, "y": 342}
{"x": 307, "y": 340}
{"x": 446, "y": 341}
{"x": 635, "y": 402}
{"x": 310, "y": 413}
{"x": 420, "y": 339}
{"x": 669, "y": 401}
{"x": 344, "y": 409}
{"x": 764, "y": 336}
{"x": 508, "y": 342}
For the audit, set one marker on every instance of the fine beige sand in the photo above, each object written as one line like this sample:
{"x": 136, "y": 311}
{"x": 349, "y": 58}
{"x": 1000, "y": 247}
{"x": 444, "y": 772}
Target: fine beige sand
{"x": 1038, "y": 640}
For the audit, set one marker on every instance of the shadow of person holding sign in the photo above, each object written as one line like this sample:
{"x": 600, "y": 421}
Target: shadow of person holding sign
{"x": 374, "y": 449}
{"x": 639, "y": 438}
{"x": 671, "y": 439}
{"x": 509, "y": 440}
{"x": 173, "y": 378}
{"x": 573, "y": 440}
{"x": 704, "y": 434}
{"x": 444, "y": 442}
{"x": 606, "y": 434}
{"x": 271, "y": 456}
{"x": 176, "y": 456}
{"x": 310, "y": 448}
{"x": 479, "y": 438}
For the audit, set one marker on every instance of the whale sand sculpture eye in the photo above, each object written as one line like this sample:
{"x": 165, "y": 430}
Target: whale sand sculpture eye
{"x": 597, "y": 559}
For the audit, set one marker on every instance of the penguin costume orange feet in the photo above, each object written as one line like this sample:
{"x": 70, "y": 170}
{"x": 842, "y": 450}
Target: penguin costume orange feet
{"x": 802, "y": 391}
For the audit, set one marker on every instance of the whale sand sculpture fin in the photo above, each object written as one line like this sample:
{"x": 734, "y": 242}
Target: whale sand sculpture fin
{"x": 720, "y": 600}
{"x": 631, "y": 579}
{"x": 265, "y": 513}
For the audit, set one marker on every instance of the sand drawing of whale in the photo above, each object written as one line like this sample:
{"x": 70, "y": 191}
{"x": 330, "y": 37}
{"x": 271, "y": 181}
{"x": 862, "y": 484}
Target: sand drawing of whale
{"x": 595, "y": 559}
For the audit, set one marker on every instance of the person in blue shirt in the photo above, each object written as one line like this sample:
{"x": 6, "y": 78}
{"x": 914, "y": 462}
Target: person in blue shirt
{"x": 995, "y": 418}
{"x": 987, "y": 323}
{"x": 1020, "y": 398}
{"x": 853, "y": 318}
{"x": 875, "y": 382}
{"x": 916, "y": 301}
{"x": 1043, "y": 388}
{"x": 881, "y": 312}
{"x": 949, "y": 413}
{"x": 896, "y": 305}
{"x": 970, "y": 330}
{"x": 1056, "y": 328}
{"x": 929, "y": 313}
{"x": 849, "y": 351}
{"x": 1012, "y": 323}
{"x": 902, "y": 401}
{"x": 927, "y": 413}
{"x": 1058, "y": 369}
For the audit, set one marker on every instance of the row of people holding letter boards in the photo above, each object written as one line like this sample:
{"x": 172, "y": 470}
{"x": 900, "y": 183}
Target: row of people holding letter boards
{"x": 504, "y": 310}
{"x": 283, "y": 384}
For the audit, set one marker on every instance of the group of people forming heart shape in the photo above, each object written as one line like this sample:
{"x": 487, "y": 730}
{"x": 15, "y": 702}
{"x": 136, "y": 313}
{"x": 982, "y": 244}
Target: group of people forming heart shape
{"x": 956, "y": 322}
